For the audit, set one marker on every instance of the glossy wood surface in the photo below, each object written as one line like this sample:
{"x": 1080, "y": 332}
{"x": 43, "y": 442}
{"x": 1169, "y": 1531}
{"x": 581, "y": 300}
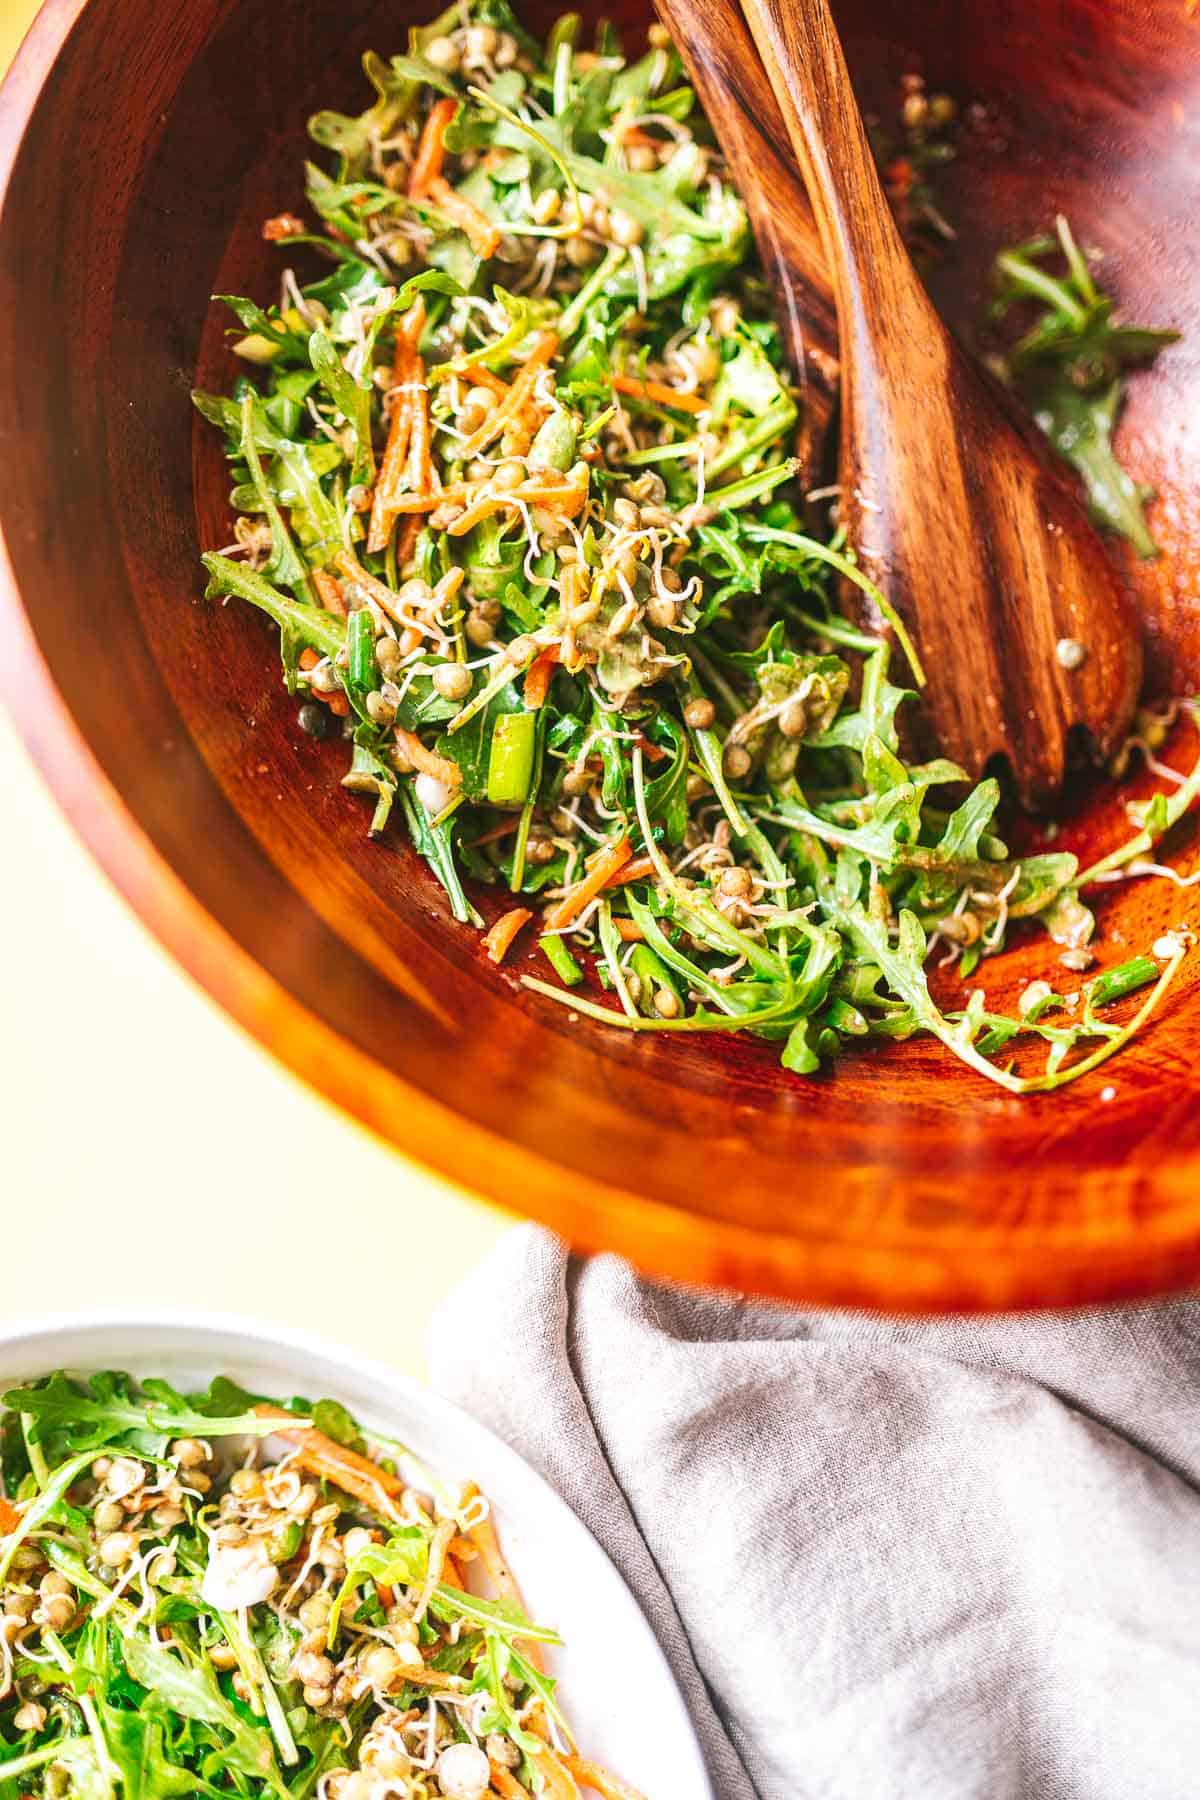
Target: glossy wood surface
{"x": 961, "y": 517}
{"x": 897, "y": 1181}
{"x": 731, "y": 82}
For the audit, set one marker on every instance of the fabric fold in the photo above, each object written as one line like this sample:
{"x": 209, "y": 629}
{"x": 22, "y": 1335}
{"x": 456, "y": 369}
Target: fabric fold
{"x": 957, "y": 1558}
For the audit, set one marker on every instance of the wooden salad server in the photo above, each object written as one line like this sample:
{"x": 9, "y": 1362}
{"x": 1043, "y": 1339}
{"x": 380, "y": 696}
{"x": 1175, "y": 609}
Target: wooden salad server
{"x": 957, "y": 512}
{"x": 732, "y": 85}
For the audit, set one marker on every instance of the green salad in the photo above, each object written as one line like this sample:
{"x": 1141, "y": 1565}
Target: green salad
{"x": 224, "y": 1595}
{"x": 513, "y": 477}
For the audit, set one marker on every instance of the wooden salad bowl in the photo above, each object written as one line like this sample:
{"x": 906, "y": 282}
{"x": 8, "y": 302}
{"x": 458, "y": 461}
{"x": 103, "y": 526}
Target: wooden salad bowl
{"x": 140, "y": 148}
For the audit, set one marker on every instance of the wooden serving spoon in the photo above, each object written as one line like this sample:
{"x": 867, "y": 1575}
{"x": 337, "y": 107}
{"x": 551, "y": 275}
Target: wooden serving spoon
{"x": 722, "y": 63}
{"x": 957, "y": 512}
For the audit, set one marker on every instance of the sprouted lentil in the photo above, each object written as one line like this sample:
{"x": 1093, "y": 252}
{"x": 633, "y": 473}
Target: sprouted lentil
{"x": 526, "y": 520}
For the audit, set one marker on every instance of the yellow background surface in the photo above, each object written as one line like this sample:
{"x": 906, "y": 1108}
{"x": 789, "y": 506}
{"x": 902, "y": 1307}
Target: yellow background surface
{"x": 150, "y": 1153}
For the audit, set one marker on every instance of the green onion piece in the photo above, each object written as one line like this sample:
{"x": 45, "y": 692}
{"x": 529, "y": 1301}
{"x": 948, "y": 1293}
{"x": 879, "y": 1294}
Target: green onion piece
{"x": 364, "y": 671}
{"x": 510, "y": 761}
{"x": 1126, "y": 978}
{"x": 560, "y": 959}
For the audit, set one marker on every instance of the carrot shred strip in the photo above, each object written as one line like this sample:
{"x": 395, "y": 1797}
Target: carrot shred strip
{"x": 482, "y": 233}
{"x": 538, "y": 677}
{"x": 499, "y": 940}
{"x": 334, "y": 1462}
{"x": 428, "y": 761}
{"x": 592, "y": 1775}
{"x": 458, "y": 492}
{"x": 481, "y": 377}
{"x": 640, "y": 869}
{"x": 604, "y": 865}
{"x": 431, "y": 149}
{"x": 659, "y": 392}
{"x": 395, "y": 455}
{"x": 520, "y": 391}
{"x": 329, "y": 589}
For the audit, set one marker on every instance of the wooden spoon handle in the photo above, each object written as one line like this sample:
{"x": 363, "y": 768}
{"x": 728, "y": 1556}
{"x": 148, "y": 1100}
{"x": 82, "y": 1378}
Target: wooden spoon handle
{"x": 726, "y": 72}
{"x": 803, "y": 60}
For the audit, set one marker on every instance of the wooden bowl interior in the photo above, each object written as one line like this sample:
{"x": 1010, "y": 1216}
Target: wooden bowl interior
{"x": 156, "y": 141}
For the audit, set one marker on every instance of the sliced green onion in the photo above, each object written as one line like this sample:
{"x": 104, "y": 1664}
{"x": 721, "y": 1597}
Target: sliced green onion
{"x": 360, "y": 645}
{"x": 510, "y": 761}
{"x": 560, "y": 959}
{"x": 1126, "y": 978}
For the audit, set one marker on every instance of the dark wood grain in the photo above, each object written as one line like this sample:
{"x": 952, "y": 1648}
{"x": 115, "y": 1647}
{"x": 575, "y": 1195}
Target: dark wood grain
{"x": 135, "y": 176}
{"x": 958, "y": 515}
{"x": 733, "y": 88}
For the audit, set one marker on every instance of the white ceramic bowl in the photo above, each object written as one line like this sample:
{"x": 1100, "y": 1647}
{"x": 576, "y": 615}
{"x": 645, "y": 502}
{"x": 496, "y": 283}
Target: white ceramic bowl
{"x": 616, "y": 1687}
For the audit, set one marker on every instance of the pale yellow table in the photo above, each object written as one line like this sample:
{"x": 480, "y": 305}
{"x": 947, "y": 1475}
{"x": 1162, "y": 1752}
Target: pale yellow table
{"x": 150, "y": 1152}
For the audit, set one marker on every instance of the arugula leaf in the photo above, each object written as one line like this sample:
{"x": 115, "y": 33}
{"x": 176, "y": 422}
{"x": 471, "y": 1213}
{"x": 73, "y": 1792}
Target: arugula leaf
{"x": 286, "y": 564}
{"x": 190, "y": 1689}
{"x": 80, "y": 1419}
{"x": 137, "y": 1745}
{"x": 1068, "y": 369}
{"x": 300, "y": 627}
{"x": 351, "y": 397}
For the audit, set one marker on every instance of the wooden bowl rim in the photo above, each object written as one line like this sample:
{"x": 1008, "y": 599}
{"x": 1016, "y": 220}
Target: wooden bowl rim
{"x": 595, "y": 1215}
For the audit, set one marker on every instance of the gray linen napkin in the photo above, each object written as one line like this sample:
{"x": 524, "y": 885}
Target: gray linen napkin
{"x": 956, "y": 1559}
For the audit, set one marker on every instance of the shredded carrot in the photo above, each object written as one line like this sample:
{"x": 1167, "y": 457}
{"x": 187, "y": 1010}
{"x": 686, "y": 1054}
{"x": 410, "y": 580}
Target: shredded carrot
{"x": 308, "y": 658}
{"x": 482, "y": 233}
{"x": 474, "y": 373}
{"x": 331, "y": 1461}
{"x": 480, "y": 508}
{"x": 591, "y": 1775}
{"x": 538, "y": 677}
{"x": 640, "y": 869}
{"x": 483, "y": 1536}
{"x": 651, "y": 751}
{"x": 395, "y": 455}
{"x": 434, "y": 1678}
{"x": 10, "y": 1518}
{"x": 395, "y": 461}
{"x": 428, "y": 761}
{"x": 329, "y": 588}
{"x": 350, "y": 569}
{"x": 458, "y": 492}
{"x": 420, "y": 466}
{"x": 629, "y": 931}
{"x": 481, "y": 377}
{"x": 452, "y": 1575}
{"x": 520, "y": 391}
{"x": 406, "y": 543}
{"x": 558, "y": 1782}
{"x": 337, "y": 703}
{"x": 386, "y": 1594}
{"x": 659, "y": 392}
{"x": 604, "y": 865}
{"x": 431, "y": 149}
{"x": 507, "y": 1785}
{"x": 283, "y": 225}
{"x": 498, "y": 941}
{"x": 565, "y": 498}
